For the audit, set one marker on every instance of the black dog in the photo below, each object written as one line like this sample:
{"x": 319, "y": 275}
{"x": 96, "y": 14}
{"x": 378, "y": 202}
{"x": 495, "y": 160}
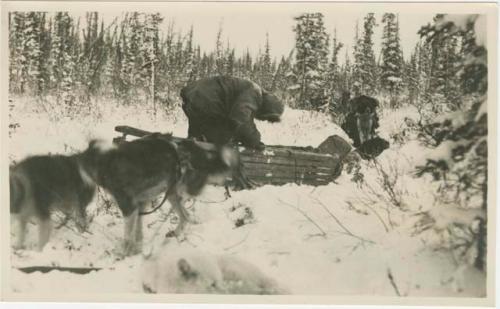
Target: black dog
{"x": 362, "y": 120}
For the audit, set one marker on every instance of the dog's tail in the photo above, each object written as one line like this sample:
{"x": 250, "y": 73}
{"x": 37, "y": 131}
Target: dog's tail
{"x": 17, "y": 192}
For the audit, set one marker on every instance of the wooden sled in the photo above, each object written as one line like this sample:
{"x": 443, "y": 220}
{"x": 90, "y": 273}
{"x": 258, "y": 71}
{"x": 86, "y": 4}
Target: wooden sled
{"x": 275, "y": 165}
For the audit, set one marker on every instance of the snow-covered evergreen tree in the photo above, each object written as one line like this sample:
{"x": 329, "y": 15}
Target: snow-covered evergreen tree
{"x": 333, "y": 76}
{"x": 207, "y": 65}
{"x": 131, "y": 35}
{"x": 45, "y": 39}
{"x": 459, "y": 159}
{"x": 62, "y": 58}
{"x": 150, "y": 54}
{"x": 311, "y": 61}
{"x": 282, "y": 74}
{"x": 472, "y": 77}
{"x": 412, "y": 77}
{"x": 111, "y": 82}
{"x": 424, "y": 71}
{"x": 191, "y": 56}
{"x": 94, "y": 54}
{"x": 444, "y": 81}
{"x": 356, "y": 69}
{"x": 392, "y": 57}
{"x": 266, "y": 70}
{"x": 220, "y": 62}
{"x": 29, "y": 46}
{"x": 364, "y": 69}
{"x": 248, "y": 65}
{"x": 346, "y": 77}
{"x": 229, "y": 61}
{"x": 368, "y": 66}
{"x": 32, "y": 49}
{"x": 17, "y": 61}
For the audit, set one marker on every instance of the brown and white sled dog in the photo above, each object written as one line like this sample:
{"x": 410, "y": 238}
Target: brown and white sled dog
{"x": 40, "y": 185}
{"x": 136, "y": 172}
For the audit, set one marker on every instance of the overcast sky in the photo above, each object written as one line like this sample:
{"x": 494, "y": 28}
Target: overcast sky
{"x": 245, "y": 24}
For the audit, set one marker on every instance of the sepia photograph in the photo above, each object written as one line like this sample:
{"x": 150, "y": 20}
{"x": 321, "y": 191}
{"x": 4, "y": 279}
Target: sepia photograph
{"x": 249, "y": 152}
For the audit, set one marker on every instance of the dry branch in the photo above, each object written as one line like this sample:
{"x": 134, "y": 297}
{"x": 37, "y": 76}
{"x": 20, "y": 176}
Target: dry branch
{"x": 340, "y": 223}
{"x": 323, "y": 233}
{"x": 391, "y": 279}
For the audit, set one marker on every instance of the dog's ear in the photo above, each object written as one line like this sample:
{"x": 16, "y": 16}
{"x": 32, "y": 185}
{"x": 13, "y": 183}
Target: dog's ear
{"x": 186, "y": 270}
{"x": 93, "y": 144}
{"x": 100, "y": 145}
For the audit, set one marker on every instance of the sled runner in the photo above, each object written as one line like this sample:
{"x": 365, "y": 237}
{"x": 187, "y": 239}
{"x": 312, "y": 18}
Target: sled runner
{"x": 275, "y": 165}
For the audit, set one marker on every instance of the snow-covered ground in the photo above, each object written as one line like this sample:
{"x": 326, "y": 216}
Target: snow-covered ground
{"x": 342, "y": 238}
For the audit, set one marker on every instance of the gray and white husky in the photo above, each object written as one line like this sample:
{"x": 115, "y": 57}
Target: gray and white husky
{"x": 40, "y": 185}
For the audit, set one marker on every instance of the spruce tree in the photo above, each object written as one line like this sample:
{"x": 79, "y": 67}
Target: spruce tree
{"x": 266, "y": 70}
{"x": 248, "y": 65}
{"x": 333, "y": 77}
{"x": 131, "y": 35}
{"x": 219, "y": 53}
{"x": 458, "y": 159}
{"x": 472, "y": 77}
{"x": 356, "y": 69}
{"x": 444, "y": 78}
{"x": 189, "y": 61}
{"x": 32, "y": 53}
{"x": 150, "y": 54}
{"x": 412, "y": 75}
{"x": 346, "y": 74}
{"x": 112, "y": 67}
{"x": 62, "y": 61}
{"x": 45, "y": 39}
{"x": 29, "y": 47}
{"x": 368, "y": 66}
{"x": 311, "y": 60}
{"x": 16, "y": 26}
{"x": 229, "y": 61}
{"x": 424, "y": 71}
{"x": 392, "y": 57}
{"x": 196, "y": 74}
{"x": 282, "y": 74}
{"x": 94, "y": 53}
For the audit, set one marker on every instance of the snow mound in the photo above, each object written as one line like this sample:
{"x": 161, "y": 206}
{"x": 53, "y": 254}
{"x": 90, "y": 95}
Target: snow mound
{"x": 178, "y": 268}
{"x": 393, "y": 121}
{"x": 299, "y": 128}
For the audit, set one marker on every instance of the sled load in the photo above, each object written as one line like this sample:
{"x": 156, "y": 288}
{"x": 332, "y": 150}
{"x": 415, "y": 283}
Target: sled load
{"x": 280, "y": 165}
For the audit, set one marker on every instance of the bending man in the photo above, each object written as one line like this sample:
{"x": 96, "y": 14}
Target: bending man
{"x": 222, "y": 109}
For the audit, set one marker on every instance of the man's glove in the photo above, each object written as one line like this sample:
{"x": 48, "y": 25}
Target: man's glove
{"x": 260, "y": 146}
